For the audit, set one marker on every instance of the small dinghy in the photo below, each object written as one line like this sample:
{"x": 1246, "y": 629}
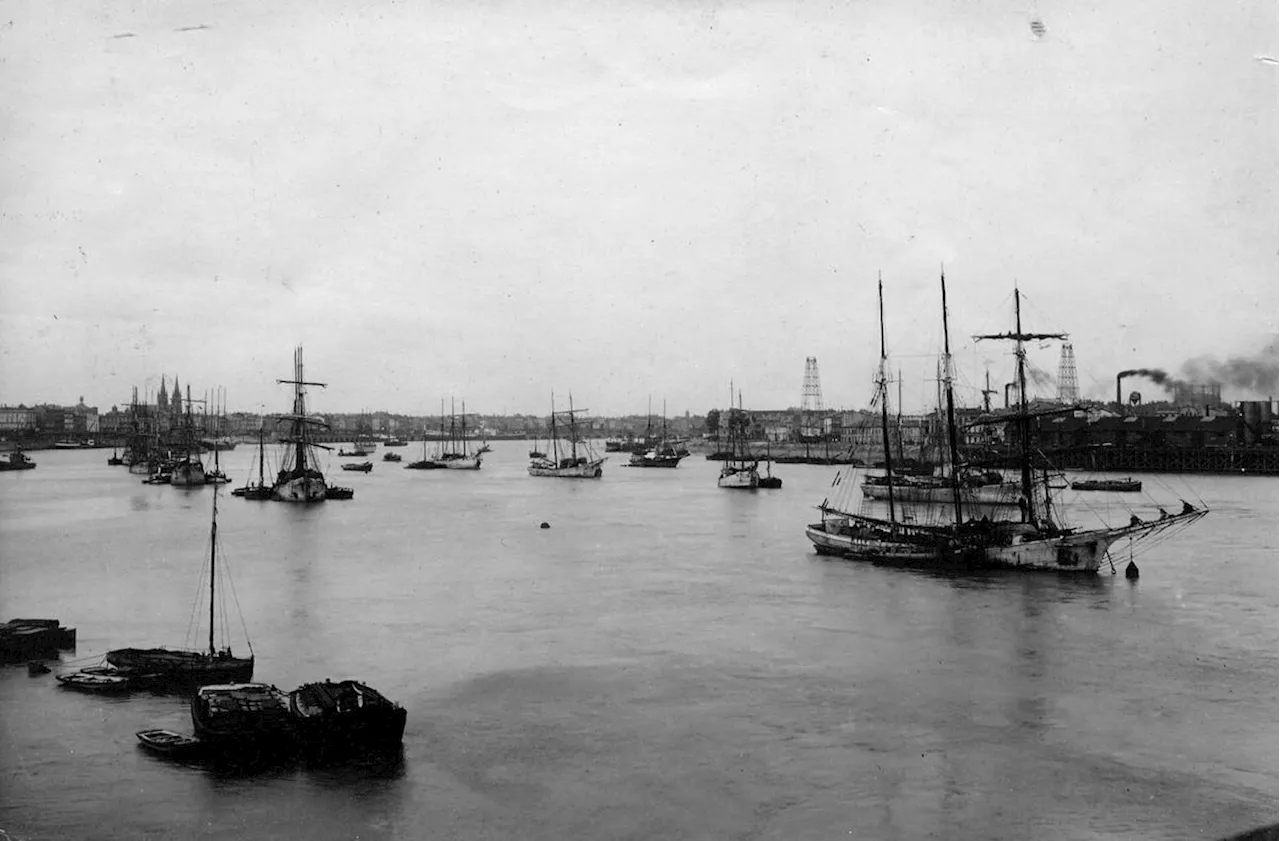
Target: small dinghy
{"x": 168, "y": 742}
{"x": 86, "y": 682}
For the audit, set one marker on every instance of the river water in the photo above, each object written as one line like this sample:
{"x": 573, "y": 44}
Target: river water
{"x": 667, "y": 660}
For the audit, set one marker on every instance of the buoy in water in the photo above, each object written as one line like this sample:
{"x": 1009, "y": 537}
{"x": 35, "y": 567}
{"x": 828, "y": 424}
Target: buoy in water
{"x": 545, "y": 525}
{"x": 1131, "y": 571}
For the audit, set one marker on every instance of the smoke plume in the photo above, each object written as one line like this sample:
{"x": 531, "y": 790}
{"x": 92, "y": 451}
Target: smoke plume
{"x": 1154, "y": 374}
{"x": 1259, "y": 373}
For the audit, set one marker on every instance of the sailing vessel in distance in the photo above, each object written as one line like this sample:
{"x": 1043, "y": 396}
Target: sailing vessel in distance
{"x": 1033, "y": 538}
{"x": 257, "y": 489}
{"x": 299, "y": 479}
{"x": 188, "y": 470}
{"x": 571, "y": 456}
{"x": 660, "y": 452}
{"x": 455, "y": 451}
{"x": 186, "y": 667}
{"x": 740, "y": 471}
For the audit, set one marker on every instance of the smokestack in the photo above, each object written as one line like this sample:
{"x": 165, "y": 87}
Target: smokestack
{"x": 1119, "y": 402}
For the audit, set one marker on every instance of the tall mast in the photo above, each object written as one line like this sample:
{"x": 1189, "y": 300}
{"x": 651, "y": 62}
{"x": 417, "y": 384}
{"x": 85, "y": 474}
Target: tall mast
{"x": 951, "y": 408}
{"x": 1024, "y": 421}
{"x": 883, "y": 387}
{"x": 555, "y": 443}
{"x": 298, "y": 419}
{"x": 901, "y": 457}
{"x": 573, "y": 431}
{"x": 262, "y": 473}
{"x": 213, "y": 565}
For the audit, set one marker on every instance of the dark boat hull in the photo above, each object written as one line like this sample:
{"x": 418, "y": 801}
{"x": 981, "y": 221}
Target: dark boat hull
{"x": 258, "y": 492}
{"x": 347, "y": 715}
{"x": 244, "y": 721}
{"x": 164, "y": 666}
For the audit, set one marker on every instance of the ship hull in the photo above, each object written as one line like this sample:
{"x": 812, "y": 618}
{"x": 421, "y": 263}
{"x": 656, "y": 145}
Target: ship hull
{"x": 988, "y": 495}
{"x": 1082, "y": 552}
{"x": 178, "y": 667}
{"x": 739, "y": 479}
{"x": 588, "y": 470}
{"x": 187, "y": 475}
{"x": 307, "y": 489}
{"x": 464, "y": 463}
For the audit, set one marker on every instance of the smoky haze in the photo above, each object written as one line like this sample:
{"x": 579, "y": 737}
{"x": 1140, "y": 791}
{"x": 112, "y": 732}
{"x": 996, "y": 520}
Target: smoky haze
{"x": 1259, "y": 374}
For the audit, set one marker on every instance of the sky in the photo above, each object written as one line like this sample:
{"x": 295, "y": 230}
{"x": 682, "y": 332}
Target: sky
{"x": 630, "y": 201}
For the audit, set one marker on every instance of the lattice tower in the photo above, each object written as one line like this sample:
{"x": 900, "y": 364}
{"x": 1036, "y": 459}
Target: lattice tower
{"x": 811, "y": 401}
{"x": 1068, "y": 388}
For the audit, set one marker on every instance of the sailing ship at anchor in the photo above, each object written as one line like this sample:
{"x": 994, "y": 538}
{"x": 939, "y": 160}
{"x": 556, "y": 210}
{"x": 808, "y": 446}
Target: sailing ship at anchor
{"x": 256, "y": 489}
{"x": 741, "y": 470}
{"x": 186, "y": 667}
{"x": 656, "y": 451}
{"x": 300, "y": 479}
{"x": 188, "y": 471}
{"x": 571, "y": 457}
{"x": 455, "y": 449}
{"x": 1033, "y": 538}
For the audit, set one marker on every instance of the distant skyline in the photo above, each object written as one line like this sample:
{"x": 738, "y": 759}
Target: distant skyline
{"x": 493, "y": 202}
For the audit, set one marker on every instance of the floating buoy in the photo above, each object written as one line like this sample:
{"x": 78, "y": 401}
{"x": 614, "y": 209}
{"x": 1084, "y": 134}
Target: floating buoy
{"x": 545, "y": 525}
{"x": 1131, "y": 571}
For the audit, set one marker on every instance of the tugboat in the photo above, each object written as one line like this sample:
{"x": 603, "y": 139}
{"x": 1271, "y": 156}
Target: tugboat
{"x": 17, "y": 460}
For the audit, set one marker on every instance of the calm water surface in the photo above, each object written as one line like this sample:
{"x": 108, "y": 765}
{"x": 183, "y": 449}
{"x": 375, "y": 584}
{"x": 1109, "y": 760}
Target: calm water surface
{"x": 668, "y": 660}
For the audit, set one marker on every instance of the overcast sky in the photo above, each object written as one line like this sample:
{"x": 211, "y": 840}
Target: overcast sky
{"x": 495, "y": 200}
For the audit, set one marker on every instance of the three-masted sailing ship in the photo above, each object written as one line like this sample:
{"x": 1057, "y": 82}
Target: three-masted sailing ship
{"x": 299, "y": 479}
{"x": 1032, "y": 535}
{"x": 571, "y": 456}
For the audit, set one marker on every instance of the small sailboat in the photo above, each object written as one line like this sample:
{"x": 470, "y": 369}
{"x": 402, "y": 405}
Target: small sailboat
{"x": 258, "y": 489}
{"x": 185, "y": 667}
{"x": 571, "y": 456}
